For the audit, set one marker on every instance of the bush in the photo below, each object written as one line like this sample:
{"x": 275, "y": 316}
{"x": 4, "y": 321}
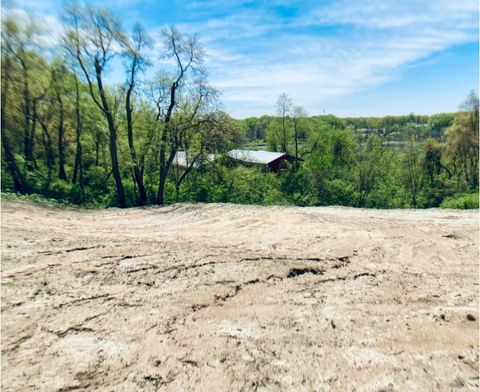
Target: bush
{"x": 60, "y": 190}
{"x": 340, "y": 192}
{"x": 462, "y": 201}
{"x": 253, "y": 186}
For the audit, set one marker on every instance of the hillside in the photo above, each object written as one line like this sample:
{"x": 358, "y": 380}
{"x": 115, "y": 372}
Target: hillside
{"x": 222, "y": 296}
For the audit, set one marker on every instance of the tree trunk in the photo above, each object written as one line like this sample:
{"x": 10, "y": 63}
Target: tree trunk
{"x": 163, "y": 169}
{"x": 137, "y": 173}
{"x": 31, "y": 142}
{"x": 177, "y": 191}
{"x": 284, "y": 141}
{"x": 164, "y": 165}
{"x": 97, "y": 147}
{"x": 112, "y": 139}
{"x": 17, "y": 177}
{"x": 161, "y": 187}
{"x": 474, "y": 166}
{"x": 465, "y": 168}
{"x": 28, "y": 151}
{"x": 62, "y": 175}
{"x": 47, "y": 144}
{"x": 77, "y": 170}
{"x": 295, "y": 165}
{"x": 18, "y": 180}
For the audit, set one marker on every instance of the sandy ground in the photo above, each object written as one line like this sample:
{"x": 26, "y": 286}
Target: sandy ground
{"x": 225, "y": 297}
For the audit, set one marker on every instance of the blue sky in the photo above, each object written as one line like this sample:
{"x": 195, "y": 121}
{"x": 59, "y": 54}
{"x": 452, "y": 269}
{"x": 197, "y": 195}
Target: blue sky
{"x": 351, "y": 58}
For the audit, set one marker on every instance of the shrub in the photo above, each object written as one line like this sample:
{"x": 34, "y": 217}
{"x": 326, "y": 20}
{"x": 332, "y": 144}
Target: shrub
{"x": 60, "y": 190}
{"x": 462, "y": 201}
{"x": 35, "y": 198}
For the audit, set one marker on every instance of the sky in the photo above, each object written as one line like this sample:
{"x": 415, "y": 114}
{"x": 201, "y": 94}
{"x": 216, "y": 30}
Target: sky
{"x": 344, "y": 57}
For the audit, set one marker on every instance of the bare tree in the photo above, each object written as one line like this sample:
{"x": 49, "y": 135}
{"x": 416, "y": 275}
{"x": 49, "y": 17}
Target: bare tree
{"x": 200, "y": 138}
{"x": 58, "y": 83}
{"x": 137, "y": 62}
{"x": 93, "y": 39}
{"x": 78, "y": 167}
{"x": 45, "y": 121}
{"x": 284, "y": 108}
{"x": 187, "y": 53}
{"x": 298, "y": 113}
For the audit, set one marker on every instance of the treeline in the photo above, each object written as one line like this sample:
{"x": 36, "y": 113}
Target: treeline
{"x": 390, "y": 128}
{"x": 69, "y": 133}
{"x": 339, "y": 168}
{"x": 349, "y": 161}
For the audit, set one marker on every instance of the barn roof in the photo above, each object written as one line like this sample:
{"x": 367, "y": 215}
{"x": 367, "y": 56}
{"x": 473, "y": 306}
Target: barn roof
{"x": 264, "y": 157}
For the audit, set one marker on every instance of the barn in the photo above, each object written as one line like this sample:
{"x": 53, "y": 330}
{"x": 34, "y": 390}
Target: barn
{"x": 270, "y": 161}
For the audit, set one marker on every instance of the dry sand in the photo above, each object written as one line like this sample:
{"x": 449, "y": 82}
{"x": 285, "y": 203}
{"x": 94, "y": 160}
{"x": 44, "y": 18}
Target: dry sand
{"x": 227, "y": 297}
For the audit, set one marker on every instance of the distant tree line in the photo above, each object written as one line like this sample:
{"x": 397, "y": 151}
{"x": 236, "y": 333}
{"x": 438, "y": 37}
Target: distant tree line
{"x": 396, "y": 128}
{"x": 349, "y": 161}
{"x": 69, "y": 133}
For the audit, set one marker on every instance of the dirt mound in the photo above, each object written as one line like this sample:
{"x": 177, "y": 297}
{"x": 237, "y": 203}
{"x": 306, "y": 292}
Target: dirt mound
{"x": 227, "y": 297}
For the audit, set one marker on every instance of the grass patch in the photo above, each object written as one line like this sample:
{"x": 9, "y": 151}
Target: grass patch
{"x": 35, "y": 198}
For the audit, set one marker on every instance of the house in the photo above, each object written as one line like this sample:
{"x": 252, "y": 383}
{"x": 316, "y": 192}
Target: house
{"x": 270, "y": 161}
{"x": 180, "y": 160}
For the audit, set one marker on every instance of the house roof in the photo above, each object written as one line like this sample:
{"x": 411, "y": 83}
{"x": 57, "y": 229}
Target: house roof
{"x": 181, "y": 159}
{"x": 264, "y": 157}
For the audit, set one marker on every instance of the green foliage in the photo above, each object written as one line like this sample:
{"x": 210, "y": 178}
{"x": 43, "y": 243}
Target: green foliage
{"x": 463, "y": 201}
{"x": 60, "y": 190}
{"x": 49, "y": 113}
{"x": 35, "y": 198}
{"x": 252, "y": 186}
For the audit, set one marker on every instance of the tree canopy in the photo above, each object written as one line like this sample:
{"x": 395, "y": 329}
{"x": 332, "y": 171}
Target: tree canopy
{"x": 69, "y": 133}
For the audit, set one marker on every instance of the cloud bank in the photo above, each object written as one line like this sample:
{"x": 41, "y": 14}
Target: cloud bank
{"x": 315, "y": 51}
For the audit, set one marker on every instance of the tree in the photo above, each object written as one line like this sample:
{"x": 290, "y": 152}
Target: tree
{"x": 59, "y": 72}
{"x": 432, "y": 160}
{"x": 78, "y": 167}
{"x": 284, "y": 108}
{"x": 93, "y": 40}
{"x": 412, "y": 171}
{"x": 373, "y": 166}
{"x": 9, "y": 31}
{"x": 462, "y": 142}
{"x": 211, "y": 133}
{"x": 44, "y": 114}
{"x": 137, "y": 62}
{"x": 187, "y": 53}
{"x": 19, "y": 45}
{"x": 298, "y": 114}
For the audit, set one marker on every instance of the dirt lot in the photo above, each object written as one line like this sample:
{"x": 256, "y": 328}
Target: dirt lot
{"x": 225, "y": 297}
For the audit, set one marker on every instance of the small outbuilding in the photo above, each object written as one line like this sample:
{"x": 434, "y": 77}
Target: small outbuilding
{"x": 182, "y": 160}
{"x": 270, "y": 161}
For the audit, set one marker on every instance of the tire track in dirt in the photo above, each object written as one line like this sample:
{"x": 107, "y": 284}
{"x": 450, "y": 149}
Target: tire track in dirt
{"x": 226, "y": 297}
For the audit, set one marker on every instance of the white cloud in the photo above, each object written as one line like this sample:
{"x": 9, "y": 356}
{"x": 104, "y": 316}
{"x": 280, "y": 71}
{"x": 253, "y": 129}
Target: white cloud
{"x": 381, "y": 39}
{"x": 320, "y": 52}
{"x": 44, "y": 30}
{"x": 398, "y": 14}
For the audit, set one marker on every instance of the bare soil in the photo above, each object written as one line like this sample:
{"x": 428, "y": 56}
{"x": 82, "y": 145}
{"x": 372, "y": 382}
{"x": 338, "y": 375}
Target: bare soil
{"x": 234, "y": 298}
